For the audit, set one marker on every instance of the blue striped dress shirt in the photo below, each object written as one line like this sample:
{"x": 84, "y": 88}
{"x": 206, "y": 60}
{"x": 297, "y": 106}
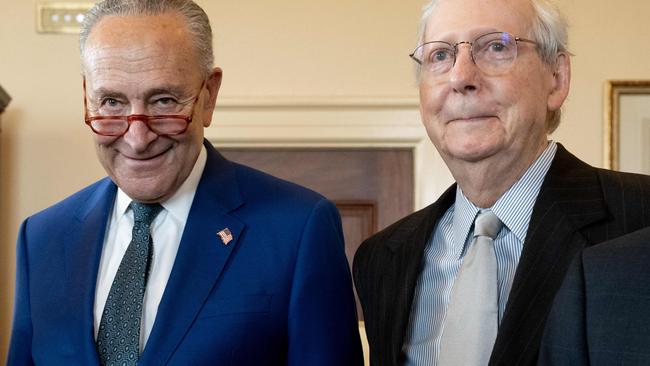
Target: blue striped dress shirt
{"x": 445, "y": 250}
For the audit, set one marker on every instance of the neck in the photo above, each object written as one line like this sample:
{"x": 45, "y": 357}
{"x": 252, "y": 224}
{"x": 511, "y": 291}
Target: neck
{"x": 484, "y": 182}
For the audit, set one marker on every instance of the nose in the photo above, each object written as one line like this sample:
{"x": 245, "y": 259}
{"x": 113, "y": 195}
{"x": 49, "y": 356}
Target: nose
{"x": 464, "y": 76}
{"x": 139, "y": 136}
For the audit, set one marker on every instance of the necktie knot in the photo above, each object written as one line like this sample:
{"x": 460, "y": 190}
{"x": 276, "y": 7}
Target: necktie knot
{"x": 487, "y": 224}
{"x": 145, "y": 212}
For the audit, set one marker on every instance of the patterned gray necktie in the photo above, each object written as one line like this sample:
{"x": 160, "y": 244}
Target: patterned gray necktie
{"x": 118, "y": 339}
{"x": 472, "y": 319}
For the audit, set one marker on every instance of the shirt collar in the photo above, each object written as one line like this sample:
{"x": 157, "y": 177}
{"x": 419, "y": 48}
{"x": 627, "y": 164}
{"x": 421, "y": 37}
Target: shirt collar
{"x": 513, "y": 208}
{"x": 180, "y": 203}
{"x": 464, "y": 214}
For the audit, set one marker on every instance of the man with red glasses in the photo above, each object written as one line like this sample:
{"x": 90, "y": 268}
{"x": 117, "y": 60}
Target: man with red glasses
{"x": 470, "y": 279}
{"x": 178, "y": 257}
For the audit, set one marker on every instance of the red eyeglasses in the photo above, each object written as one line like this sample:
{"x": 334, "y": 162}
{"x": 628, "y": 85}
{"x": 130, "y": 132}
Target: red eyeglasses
{"x": 160, "y": 124}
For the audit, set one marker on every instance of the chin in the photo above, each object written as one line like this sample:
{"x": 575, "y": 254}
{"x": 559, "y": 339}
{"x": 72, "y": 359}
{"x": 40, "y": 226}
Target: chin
{"x": 472, "y": 152}
{"x": 144, "y": 190}
{"x": 143, "y": 196}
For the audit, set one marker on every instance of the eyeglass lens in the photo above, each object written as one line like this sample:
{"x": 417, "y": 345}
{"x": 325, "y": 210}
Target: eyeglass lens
{"x": 117, "y": 126}
{"x": 493, "y": 53}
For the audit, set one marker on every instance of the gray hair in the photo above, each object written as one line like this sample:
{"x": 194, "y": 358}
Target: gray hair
{"x": 549, "y": 29}
{"x": 197, "y": 21}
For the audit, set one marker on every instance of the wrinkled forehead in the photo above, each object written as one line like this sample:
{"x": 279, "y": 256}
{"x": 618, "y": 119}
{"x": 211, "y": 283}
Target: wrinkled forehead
{"x": 140, "y": 48}
{"x": 464, "y": 19}
{"x": 164, "y": 33}
{"x": 134, "y": 26}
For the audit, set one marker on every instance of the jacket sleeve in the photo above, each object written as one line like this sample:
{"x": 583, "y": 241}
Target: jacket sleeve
{"x": 323, "y": 327}
{"x": 20, "y": 346}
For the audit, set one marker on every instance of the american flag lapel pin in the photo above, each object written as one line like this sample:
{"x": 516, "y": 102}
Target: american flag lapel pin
{"x": 225, "y": 235}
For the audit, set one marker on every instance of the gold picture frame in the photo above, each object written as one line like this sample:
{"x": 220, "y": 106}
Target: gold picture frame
{"x": 614, "y": 90}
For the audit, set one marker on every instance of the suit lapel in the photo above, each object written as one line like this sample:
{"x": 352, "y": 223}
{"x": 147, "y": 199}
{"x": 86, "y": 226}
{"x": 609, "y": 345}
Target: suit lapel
{"x": 570, "y": 199}
{"x": 200, "y": 260}
{"x": 407, "y": 246}
{"x": 83, "y": 249}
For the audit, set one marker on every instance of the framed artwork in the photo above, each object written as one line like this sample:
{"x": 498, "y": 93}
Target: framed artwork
{"x": 627, "y": 126}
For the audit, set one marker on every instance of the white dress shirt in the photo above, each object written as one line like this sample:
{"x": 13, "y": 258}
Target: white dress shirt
{"x": 166, "y": 232}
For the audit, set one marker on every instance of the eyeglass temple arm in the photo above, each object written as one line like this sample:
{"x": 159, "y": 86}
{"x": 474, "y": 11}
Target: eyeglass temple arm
{"x": 412, "y": 55}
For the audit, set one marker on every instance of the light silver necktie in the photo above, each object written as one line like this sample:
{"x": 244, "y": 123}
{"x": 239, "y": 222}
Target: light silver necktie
{"x": 472, "y": 319}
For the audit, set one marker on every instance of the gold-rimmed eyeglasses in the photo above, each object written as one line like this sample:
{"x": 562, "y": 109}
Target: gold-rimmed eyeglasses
{"x": 163, "y": 122}
{"x": 493, "y": 53}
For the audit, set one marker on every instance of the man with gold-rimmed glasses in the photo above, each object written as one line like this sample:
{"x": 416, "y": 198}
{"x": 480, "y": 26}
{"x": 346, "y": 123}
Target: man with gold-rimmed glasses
{"x": 470, "y": 279}
{"x": 178, "y": 257}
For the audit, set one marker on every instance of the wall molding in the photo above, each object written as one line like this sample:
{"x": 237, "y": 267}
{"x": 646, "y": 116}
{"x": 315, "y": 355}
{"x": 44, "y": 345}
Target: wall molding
{"x": 317, "y": 102}
{"x": 358, "y": 126}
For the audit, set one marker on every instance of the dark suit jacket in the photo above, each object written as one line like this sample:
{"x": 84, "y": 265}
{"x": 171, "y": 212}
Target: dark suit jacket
{"x": 577, "y": 206}
{"x": 601, "y": 315}
{"x": 280, "y": 293}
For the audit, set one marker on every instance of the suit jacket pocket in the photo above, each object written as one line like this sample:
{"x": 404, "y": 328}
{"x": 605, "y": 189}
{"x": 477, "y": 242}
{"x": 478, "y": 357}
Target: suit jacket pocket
{"x": 236, "y": 304}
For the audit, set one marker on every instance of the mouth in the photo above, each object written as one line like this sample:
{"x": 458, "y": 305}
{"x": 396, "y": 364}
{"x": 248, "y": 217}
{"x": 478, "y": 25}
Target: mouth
{"x": 472, "y": 118}
{"x": 147, "y": 158}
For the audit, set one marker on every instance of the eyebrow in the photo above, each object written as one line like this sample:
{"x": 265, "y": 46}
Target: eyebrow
{"x": 452, "y": 37}
{"x": 108, "y": 93}
{"x": 167, "y": 89}
{"x": 178, "y": 91}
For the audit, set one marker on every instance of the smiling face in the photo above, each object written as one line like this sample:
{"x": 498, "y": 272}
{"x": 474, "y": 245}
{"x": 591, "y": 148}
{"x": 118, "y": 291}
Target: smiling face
{"x": 140, "y": 65}
{"x": 471, "y": 116}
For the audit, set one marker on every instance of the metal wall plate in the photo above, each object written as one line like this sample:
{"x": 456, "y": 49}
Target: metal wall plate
{"x": 61, "y": 17}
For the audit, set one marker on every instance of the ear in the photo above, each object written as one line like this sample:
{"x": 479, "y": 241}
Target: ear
{"x": 560, "y": 83}
{"x": 83, "y": 85}
{"x": 213, "y": 83}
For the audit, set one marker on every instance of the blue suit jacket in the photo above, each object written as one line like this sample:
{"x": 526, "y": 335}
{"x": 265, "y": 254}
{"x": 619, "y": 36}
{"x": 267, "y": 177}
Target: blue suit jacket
{"x": 279, "y": 293}
{"x": 601, "y": 316}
